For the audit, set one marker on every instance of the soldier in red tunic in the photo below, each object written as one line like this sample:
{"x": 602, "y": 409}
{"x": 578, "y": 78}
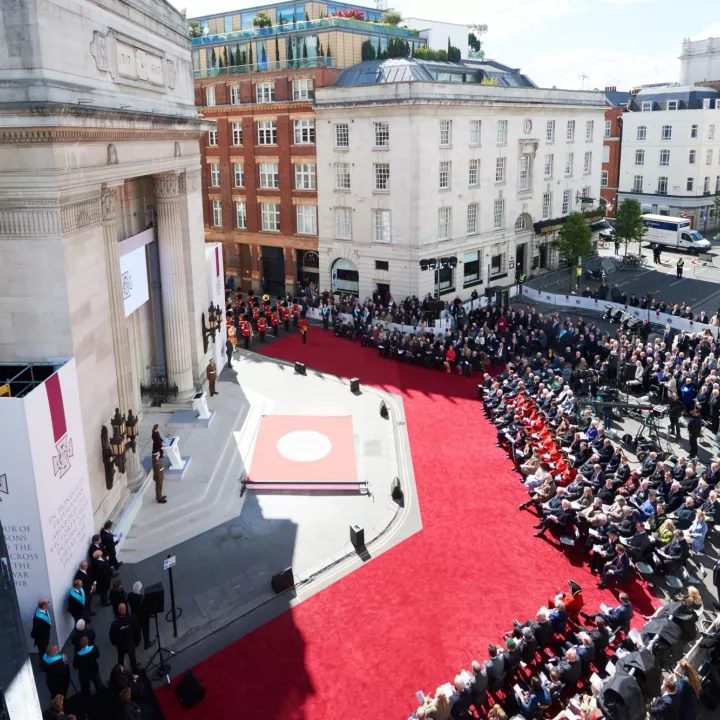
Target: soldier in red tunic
{"x": 286, "y": 318}
{"x": 295, "y": 313}
{"x": 245, "y": 330}
{"x": 303, "y": 329}
{"x": 256, "y": 316}
{"x": 275, "y": 320}
{"x": 262, "y": 327}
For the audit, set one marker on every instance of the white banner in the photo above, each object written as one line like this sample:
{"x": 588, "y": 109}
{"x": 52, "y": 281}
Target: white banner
{"x": 46, "y": 511}
{"x": 215, "y": 274}
{"x": 134, "y": 276}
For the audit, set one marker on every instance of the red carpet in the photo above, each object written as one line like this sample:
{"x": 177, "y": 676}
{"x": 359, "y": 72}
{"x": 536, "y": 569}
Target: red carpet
{"x": 411, "y": 618}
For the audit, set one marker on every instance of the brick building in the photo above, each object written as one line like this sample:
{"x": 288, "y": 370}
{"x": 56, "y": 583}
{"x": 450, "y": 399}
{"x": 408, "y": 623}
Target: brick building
{"x": 612, "y": 142}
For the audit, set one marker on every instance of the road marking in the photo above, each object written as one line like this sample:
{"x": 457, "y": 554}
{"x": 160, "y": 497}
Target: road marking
{"x": 677, "y": 282}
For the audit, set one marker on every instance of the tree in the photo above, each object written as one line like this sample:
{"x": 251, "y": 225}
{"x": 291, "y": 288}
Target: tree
{"x": 427, "y": 54}
{"x": 261, "y": 20}
{"x": 328, "y": 52}
{"x": 573, "y": 240}
{"x": 473, "y": 42}
{"x": 195, "y": 29}
{"x": 391, "y": 17}
{"x": 317, "y": 46}
{"x": 243, "y": 57}
{"x": 307, "y": 17}
{"x": 290, "y": 57}
{"x": 367, "y": 51}
{"x": 277, "y": 49}
{"x": 213, "y": 58}
{"x": 233, "y": 61}
{"x": 305, "y": 52}
{"x": 225, "y": 56}
{"x": 629, "y": 225}
{"x": 238, "y": 56}
{"x": 250, "y": 57}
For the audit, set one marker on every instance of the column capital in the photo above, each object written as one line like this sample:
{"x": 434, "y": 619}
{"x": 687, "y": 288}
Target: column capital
{"x": 108, "y": 200}
{"x": 167, "y": 185}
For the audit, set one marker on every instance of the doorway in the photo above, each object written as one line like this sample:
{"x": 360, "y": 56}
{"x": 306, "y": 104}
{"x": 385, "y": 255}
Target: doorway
{"x": 273, "y": 267}
{"x": 520, "y": 259}
{"x": 383, "y": 292}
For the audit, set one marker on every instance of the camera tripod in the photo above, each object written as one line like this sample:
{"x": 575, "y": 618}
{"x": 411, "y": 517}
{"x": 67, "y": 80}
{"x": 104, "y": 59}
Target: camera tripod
{"x": 162, "y": 669}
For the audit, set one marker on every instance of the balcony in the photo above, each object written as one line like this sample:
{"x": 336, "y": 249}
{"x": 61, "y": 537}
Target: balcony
{"x": 333, "y": 23}
{"x": 265, "y": 66}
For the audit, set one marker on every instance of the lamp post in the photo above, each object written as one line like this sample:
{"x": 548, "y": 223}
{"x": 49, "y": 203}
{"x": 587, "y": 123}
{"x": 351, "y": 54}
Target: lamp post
{"x": 214, "y": 320}
{"x": 124, "y": 438}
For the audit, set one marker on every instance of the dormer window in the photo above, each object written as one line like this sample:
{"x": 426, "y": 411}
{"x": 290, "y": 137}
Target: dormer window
{"x": 672, "y": 104}
{"x": 646, "y": 106}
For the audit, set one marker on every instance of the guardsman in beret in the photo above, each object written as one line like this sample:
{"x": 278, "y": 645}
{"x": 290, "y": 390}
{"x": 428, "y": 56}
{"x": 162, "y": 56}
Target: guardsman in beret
{"x": 212, "y": 376}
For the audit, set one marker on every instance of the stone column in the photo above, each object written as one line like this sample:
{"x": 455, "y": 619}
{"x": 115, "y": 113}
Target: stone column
{"x": 174, "y": 293}
{"x": 118, "y": 322}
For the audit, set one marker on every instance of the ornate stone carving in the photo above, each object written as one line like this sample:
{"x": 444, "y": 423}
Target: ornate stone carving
{"x": 29, "y": 221}
{"x": 177, "y": 152}
{"x": 108, "y": 198}
{"x": 166, "y": 185}
{"x": 182, "y": 184}
{"x": 171, "y": 74}
{"x": 112, "y": 156}
{"x": 85, "y": 134}
{"x": 77, "y": 215}
{"x": 98, "y": 49}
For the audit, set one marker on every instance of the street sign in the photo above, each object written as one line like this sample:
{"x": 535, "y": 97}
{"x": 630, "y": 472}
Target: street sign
{"x": 169, "y": 562}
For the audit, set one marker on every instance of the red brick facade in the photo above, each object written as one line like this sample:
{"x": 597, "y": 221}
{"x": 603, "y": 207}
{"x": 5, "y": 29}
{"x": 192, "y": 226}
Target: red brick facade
{"x": 613, "y": 142}
{"x": 243, "y": 247}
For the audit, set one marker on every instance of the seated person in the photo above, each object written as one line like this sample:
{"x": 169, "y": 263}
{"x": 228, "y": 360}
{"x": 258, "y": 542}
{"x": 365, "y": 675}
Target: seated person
{"x": 479, "y": 683}
{"x": 685, "y": 515}
{"x": 639, "y": 545}
{"x": 541, "y": 627}
{"x": 541, "y": 494}
{"x": 585, "y": 650}
{"x": 607, "y": 493}
{"x": 558, "y": 617}
{"x": 619, "y": 569}
{"x": 539, "y": 477}
{"x": 584, "y": 501}
{"x": 572, "y": 599}
{"x": 569, "y": 668}
{"x": 605, "y": 553}
{"x": 616, "y": 617}
{"x": 673, "y": 556}
{"x": 560, "y": 522}
{"x": 665, "y": 533}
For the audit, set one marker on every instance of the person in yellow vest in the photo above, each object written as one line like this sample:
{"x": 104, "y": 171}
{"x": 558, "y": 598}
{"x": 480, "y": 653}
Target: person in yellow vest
{"x": 679, "y": 267}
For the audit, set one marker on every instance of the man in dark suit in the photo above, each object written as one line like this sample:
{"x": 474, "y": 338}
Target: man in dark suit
{"x": 560, "y": 522}
{"x": 541, "y": 627}
{"x": 109, "y": 542}
{"x": 674, "y": 555}
{"x": 125, "y": 635}
{"x": 616, "y": 617}
{"x": 96, "y": 545}
{"x": 80, "y": 632}
{"x": 495, "y": 667}
{"x": 618, "y": 569}
{"x": 83, "y": 574}
{"x": 667, "y": 707}
{"x": 639, "y": 545}
{"x": 569, "y": 668}
{"x": 86, "y": 663}
{"x": 136, "y": 601}
{"x": 57, "y": 671}
{"x": 479, "y": 683}
{"x": 76, "y": 601}
{"x": 103, "y": 576}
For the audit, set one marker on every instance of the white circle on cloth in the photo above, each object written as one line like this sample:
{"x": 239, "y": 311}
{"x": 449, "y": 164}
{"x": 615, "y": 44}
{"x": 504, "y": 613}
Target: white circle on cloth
{"x": 304, "y": 446}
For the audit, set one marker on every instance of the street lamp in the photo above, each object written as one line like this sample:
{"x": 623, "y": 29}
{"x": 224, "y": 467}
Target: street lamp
{"x": 214, "y": 320}
{"x": 124, "y": 438}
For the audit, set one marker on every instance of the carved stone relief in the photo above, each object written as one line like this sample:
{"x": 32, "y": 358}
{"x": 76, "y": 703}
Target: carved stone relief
{"x": 112, "y": 156}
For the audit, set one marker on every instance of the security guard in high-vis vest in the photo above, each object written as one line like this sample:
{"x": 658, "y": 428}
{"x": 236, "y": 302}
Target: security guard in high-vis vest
{"x": 680, "y": 265}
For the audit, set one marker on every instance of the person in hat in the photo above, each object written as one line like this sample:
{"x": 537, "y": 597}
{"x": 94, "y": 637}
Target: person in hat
{"x": 212, "y": 376}
{"x": 303, "y": 329}
{"x": 229, "y": 349}
{"x": 572, "y": 599}
{"x": 158, "y": 477}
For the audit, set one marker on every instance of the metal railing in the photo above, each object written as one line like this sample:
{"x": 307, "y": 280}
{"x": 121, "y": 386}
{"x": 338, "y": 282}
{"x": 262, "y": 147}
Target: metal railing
{"x": 305, "y": 25}
{"x": 265, "y": 66}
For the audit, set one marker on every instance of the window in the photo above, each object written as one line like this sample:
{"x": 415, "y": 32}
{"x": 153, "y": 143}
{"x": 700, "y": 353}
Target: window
{"x": 382, "y": 265}
{"x": 239, "y": 174}
{"x": 608, "y": 128}
{"x": 664, "y": 158}
{"x": 662, "y": 185}
{"x": 342, "y": 176}
{"x": 227, "y": 23}
{"x": 303, "y": 89}
{"x": 381, "y": 172}
{"x": 693, "y": 131}
{"x": 637, "y": 183}
{"x": 711, "y": 132}
{"x": 237, "y": 133}
{"x": 672, "y": 105}
{"x": 445, "y": 133}
{"x": 210, "y": 96}
{"x": 691, "y": 157}
{"x": 381, "y": 226}
{"x": 214, "y": 175}
{"x": 474, "y": 173}
{"x": 382, "y": 134}
{"x": 270, "y": 217}
{"x": 267, "y": 132}
{"x": 666, "y": 132}
{"x": 269, "y": 176}
{"x": 212, "y": 138}
{"x": 645, "y": 106}
{"x": 473, "y": 212}
{"x": 444, "y": 220}
{"x": 444, "y": 175}
{"x": 502, "y": 132}
{"x": 566, "y": 202}
{"x": 589, "y": 130}
{"x": 500, "y": 169}
{"x": 717, "y": 184}
{"x": 708, "y": 157}
{"x": 342, "y": 135}
{"x": 304, "y": 132}
{"x": 639, "y": 157}
{"x": 549, "y": 162}
{"x": 569, "y": 162}
{"x": 587, "y": 165}
{"x": 641, "y": 132}
{"x": 265, "y": 92}
{"x": 306, "y": 219}
{"x": 496, "y": 264}
{"x": 604, "y": 178}
{"x": 240, "y": 216}
{"x": 706, "y": 186}
{"x": 546, "y": 205}
{"x": 550, "y": 131}
{"x": 343, "y": 223}
{"x": 690, "y": 184}
{"x": 706, "y": 104}
{"x": 475, "y": 132}
{"x": 521, "y": 223}
{"x": 606, "y": 154}
{"x": 305, "y": 176}
{"x": 498, "y": 214}
{"x": 234, "y": 94}
{"x": 524, "y": 177}
{"x": 217, "y": 213}
{"x": 570, "y": 132}
{"x": 471, "y": 267}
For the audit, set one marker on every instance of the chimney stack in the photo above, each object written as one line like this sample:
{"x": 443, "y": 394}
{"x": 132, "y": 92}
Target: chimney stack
{"x": 611, "y": 88}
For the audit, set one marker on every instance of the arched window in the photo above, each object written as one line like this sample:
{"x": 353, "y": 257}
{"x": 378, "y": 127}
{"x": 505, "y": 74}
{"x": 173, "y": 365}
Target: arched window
{"x": 521, "y": 223}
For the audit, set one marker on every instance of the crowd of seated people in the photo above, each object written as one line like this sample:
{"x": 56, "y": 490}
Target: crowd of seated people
{"x": 582, "y": 486}
{"x": 542, "y": 667}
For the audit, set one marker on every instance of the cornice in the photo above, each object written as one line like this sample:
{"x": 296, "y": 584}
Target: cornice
{"x": 61, "y": 135}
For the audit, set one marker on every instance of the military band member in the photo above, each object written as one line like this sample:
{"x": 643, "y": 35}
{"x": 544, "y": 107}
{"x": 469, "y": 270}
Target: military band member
{"x": 275, "y": 320}
{"x": 262, "y": 328}
{"x": 295, "y": 314}
{"x": 245, "y": 330}
{"x": 303, "y": 330}
{"x": 286, "y": 317}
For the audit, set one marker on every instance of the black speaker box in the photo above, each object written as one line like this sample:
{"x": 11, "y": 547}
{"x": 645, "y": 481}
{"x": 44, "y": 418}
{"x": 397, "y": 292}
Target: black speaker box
{"x": 354, "y": 385}
{"x": 300, "y": 368}
{"x": 155, "y": 599}
{"x": 384, "y": 410}
{"x": 397, "y": 493}
{"x": 357, "y": 536}
{"x": 282, "y": 581}
{"x": 190, "y": 691}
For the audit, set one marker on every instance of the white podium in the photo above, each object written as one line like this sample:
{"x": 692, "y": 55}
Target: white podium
{"x": 200, "y": 406}
{"x": 172, "y": 446}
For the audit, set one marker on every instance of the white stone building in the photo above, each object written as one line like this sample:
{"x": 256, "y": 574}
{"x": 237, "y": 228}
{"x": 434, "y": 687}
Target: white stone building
{"x": 417, "y": 163}
{"x": 670, "y": 159}
{"x": 98, "y": 141}
{"x": 700, "y": 61}
{"x": 436, "y": 34}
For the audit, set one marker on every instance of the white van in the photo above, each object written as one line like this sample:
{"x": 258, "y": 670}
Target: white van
{"x": 674, "y": 232}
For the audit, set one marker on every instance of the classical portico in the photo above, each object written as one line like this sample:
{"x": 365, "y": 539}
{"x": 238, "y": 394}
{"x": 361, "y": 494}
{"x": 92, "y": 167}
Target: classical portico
{"x": 100, "y": 161}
